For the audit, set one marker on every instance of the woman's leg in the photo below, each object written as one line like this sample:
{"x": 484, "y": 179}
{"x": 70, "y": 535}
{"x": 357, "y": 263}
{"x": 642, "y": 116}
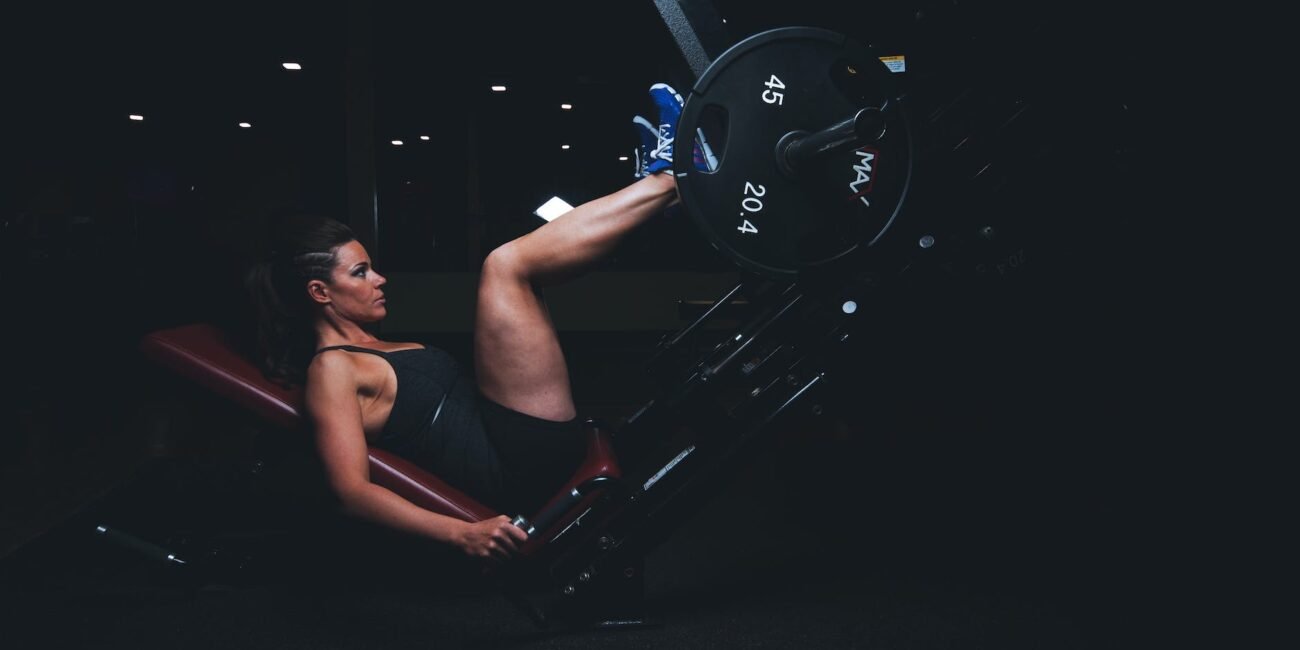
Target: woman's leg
{"x": 517, "y": 356}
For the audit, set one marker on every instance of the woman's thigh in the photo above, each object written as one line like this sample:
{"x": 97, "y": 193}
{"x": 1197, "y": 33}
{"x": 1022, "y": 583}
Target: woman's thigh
{"x": 517, "y": 357}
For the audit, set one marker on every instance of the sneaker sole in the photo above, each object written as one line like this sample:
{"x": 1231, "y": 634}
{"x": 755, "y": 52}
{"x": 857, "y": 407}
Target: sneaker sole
{"x": 670, "y": 89}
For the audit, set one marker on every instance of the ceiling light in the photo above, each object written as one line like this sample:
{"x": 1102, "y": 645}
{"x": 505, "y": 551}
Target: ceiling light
{"x": 566, "y": 107}
{"x": 622, "y": 157}
{"x": 397, "y": 143}
{"x": 137, "y": 118}
{"x": 564, "y": 146}
{"x": 424, "y": 137}
{"x": 244, "y": 125}
{"x": 498, "y": 89}
{"x": 291, "y": 66}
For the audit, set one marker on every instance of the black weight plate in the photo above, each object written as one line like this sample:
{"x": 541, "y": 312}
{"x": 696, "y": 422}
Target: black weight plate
{"x": 793, "y": 79}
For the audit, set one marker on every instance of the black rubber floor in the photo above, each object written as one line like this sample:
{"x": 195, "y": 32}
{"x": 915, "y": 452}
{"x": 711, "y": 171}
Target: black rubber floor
{"x": 777, "y": 560}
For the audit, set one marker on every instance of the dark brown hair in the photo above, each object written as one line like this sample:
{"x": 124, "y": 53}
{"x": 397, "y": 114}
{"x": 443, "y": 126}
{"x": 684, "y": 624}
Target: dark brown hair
{"x": 303, "y": 248}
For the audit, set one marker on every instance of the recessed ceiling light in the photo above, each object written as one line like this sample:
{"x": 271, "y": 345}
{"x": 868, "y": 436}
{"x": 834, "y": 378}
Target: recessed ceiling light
{"x": 244, "y": 125}
{"x": 622, "y": 157}
{"x": 137, "y": 118}
{"x": 564, "y": 146}
{"x": 424, "y": 137}
{"x": 291, "y": 66}
{"x": 397, "y": 143}
{"x": 498, "y": 89}
{"x": 566, "y": 107}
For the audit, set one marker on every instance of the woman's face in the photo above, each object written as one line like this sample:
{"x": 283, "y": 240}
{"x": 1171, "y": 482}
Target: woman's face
{"x": 355, "y": 289}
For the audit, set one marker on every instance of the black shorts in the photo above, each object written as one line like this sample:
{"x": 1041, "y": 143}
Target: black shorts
{"x": 537, "y": 456}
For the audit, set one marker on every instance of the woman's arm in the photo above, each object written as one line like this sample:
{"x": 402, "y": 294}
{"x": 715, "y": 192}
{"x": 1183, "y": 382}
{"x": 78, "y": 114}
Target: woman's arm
{"x": 332, "y": 405}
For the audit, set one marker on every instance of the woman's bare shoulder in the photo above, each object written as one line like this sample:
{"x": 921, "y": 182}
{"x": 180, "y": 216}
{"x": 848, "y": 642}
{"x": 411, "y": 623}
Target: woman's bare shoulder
{"x": 331, "y": 368}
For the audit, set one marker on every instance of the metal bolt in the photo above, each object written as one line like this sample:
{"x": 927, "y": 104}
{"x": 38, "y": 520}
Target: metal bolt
{"x": 568, "y": 590}
{"x": 987, "y": 232}
{"x": 584, "y": 576}
{"x": 927, "y": 241}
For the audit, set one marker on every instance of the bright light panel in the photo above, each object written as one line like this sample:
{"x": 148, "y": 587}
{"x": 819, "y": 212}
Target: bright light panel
{"x": 291, "y": 66}
{"x": 552, "y": 208}
{"x": 244, "y": 125}
{"x": 566, "y": 107}
{"x": 498, "y": 89}
{"x": 397, "y": 143}
{"x": 137, "y": 118}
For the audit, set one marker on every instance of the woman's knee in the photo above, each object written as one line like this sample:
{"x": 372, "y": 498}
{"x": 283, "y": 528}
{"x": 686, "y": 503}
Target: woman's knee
{"x": 505, "y": 262}
{"x": 506, "y": 275}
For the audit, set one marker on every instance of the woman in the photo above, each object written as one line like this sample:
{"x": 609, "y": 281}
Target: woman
{"x": 511, "y": 440}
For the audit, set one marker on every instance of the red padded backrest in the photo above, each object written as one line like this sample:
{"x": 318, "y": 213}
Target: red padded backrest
{"x": 202, "y": 353}
{"x": 205, "y": 355}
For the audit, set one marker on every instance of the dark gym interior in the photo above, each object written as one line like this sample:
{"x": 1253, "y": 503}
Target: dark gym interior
{"x": 984, "y": 472}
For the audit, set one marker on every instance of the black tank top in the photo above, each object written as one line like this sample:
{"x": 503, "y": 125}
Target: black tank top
{"x": 435, "y": 421}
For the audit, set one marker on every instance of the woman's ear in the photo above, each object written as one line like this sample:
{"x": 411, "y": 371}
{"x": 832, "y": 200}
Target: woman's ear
{"x": 318, "y": 292}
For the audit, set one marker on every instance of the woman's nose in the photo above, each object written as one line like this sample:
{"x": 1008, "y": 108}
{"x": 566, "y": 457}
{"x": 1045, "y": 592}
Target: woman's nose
{"x": 381, "y": 280}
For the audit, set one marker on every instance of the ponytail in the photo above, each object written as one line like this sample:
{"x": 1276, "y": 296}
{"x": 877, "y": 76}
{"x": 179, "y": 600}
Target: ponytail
{"x": 304, "y": 248}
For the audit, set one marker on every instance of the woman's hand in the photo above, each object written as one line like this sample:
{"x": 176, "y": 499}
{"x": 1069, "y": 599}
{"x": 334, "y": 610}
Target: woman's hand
{"x": 491, "y": 539}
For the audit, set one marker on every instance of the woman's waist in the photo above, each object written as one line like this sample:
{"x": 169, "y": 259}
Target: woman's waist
{"x": 429, "y": 417}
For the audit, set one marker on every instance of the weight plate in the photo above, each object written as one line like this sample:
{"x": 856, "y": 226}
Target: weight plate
{"x": 793, "y": 79}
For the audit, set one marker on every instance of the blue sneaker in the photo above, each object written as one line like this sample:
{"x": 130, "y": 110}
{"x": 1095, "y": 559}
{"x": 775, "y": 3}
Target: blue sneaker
{"x": 646, "y": 161}
{"x": 669, "y": 103}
